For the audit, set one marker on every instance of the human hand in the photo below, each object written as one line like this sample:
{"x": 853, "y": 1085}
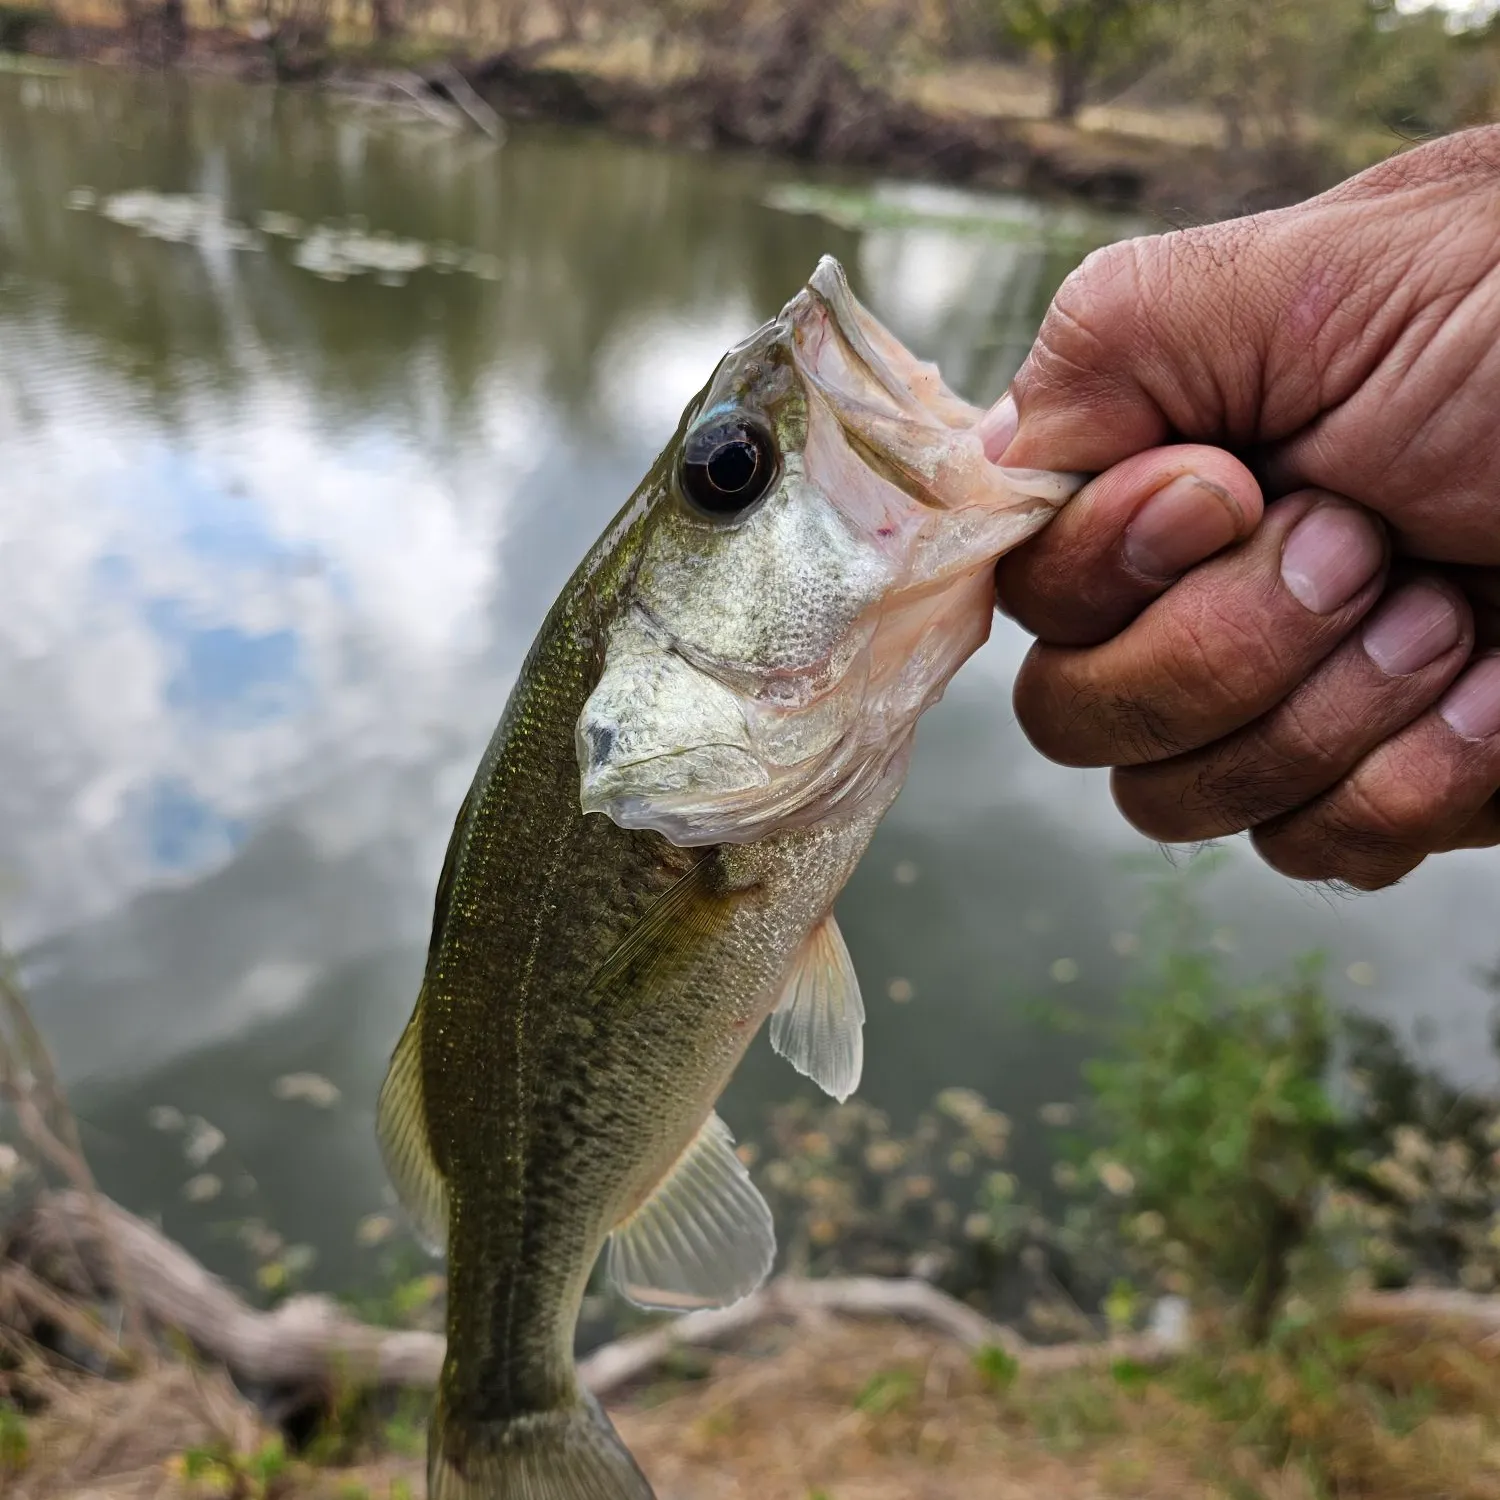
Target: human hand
{"x": 1309, "y": 682}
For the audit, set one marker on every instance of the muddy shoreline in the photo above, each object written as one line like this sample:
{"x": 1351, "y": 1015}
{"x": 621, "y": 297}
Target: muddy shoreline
{"x": 793, "y": 103}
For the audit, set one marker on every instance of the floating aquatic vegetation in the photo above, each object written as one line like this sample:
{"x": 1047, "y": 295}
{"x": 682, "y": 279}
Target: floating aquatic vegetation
{"x": 165, "y": 1117}
{"x": 284, "y": 226}
{"x": 203, "y": 1143}
{"x": 910, "y": 206}
{"x": 180, "y": 218}
{"x": 334, "y": 251}
{"x": 309, "y": 1088}
{"x": 203, "y": 1188}
{"x": 336, "y": 254}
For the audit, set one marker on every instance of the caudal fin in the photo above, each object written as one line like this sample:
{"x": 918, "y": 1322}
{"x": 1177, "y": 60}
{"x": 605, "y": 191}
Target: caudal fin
{"x": 571, "y": 1454}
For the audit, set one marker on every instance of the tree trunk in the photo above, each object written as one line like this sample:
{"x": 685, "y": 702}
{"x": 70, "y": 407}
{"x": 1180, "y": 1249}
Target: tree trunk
{"x": 1070, "y": 78}
{"x": 173, "y": 31}
{"x": 1232, "y": 112}
{"x": 385, "y": 18}
{"x": 1288, "y": 1229}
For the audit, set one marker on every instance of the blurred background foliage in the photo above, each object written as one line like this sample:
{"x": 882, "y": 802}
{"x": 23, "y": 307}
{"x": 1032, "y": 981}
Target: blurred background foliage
{"x": 1239, "y": 1143}
{"x": 1316, "y": 89}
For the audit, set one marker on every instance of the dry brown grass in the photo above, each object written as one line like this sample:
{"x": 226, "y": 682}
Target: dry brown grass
{"x": 108, "y": 1439}
{"x": 881, "y": 1412}
{"x": 878, "y": 1411}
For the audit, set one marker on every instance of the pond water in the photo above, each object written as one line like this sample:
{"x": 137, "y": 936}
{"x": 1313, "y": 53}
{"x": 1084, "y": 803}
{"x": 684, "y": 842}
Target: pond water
{"x": 305, "y": 416}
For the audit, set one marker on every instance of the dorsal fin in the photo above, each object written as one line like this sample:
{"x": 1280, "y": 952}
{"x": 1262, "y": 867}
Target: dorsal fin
{"x": 704, "y": 1238}
{"x": 818, "y": 1024}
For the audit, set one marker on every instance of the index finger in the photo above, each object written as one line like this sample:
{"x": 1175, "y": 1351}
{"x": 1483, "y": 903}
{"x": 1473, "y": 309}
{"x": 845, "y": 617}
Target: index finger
{"x": 1124, "y": 538}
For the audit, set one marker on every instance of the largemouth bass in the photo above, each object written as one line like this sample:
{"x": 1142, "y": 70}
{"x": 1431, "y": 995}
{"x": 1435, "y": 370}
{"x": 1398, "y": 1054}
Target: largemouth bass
{"x": 715, "y": 716}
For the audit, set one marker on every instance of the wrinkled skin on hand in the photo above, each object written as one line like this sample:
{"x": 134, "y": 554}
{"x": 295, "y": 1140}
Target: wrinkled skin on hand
{"x": 1274, "y": 608}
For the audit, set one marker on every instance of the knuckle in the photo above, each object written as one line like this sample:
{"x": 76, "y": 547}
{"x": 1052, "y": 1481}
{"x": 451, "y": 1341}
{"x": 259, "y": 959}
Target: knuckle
{"x": 1223, "y": 658}
{"x": 1311, "y": 731}
{"x": 1289, "y": 854}
{"x": 1315, "y": 847}
{"x": 1075, "y": 721}
{"x": 1081, "y": 331}
{"x": 1371, "y": 831}
{"x": 1053, "y": 709}
{"x": 1152, "y": 807}
{"x": 1140, "y": 729}
{"x": 1386, "y": 806}
{"x": 1242, "y": 781}
{"x": 1249, "y": 781}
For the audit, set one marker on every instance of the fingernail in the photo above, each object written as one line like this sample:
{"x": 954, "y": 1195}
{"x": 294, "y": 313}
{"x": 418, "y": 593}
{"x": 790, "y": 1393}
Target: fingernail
{"x": 1472, "y": 707}
{"x": 997, "y": 427}
{"x": 1411, "y": 629}
{"x": 1331, "y": 554}
{"x": 1181, "y": 524}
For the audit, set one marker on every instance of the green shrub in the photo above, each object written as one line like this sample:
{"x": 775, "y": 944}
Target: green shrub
{"x": 1218, "y": 1128}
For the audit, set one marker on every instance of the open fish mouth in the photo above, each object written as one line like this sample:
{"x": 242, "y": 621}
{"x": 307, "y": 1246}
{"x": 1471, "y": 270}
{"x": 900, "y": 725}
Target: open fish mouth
{"x": 896, "y": 411}
{"x": 773, "y": 658}
{"x": 845, "y": 350}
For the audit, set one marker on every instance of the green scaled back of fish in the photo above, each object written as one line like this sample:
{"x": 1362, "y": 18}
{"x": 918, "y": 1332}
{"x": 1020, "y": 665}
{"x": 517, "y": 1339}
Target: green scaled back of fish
{"x": 715, "y": 716}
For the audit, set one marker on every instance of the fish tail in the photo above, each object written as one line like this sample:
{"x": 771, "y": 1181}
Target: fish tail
{"x": 572, "y": 1453}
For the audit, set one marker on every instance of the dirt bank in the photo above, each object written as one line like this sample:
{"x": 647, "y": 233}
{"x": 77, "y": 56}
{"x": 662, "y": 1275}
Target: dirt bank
{"x": 785, "y": 98}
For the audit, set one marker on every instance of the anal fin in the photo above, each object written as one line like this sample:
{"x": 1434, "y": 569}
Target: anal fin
{"x": 703, "y": 1239}
{"x": 401, "y": 1123}
{"x": 818, "y": 1024}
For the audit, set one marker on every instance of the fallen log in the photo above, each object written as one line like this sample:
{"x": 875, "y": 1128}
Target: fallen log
{"x": 309, "y": 1341}
{"x": 458, "y": 89}
{"x": 306, "y": 1341}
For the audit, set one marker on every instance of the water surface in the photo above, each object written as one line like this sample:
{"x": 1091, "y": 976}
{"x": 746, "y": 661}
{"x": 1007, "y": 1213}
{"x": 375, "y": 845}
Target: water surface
{"x": 304, "y": 418}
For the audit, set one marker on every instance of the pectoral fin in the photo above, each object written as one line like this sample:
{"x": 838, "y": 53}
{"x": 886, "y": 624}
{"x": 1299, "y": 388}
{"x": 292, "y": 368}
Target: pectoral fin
{"x": 685, "y": 917}
{"x": 703, "y": 1239}
{"x": 401, "y": 1123}
{"x": 818, "y": 1024}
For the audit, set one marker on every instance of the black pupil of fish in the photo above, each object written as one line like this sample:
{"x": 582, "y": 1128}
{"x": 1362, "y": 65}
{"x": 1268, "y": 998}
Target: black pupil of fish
{"x": 727, "y": 467}
{"x": 733, "y": 465}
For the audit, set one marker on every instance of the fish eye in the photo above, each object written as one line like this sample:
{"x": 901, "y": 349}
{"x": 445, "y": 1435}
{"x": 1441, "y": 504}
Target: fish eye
{"x": 727, "y": 465}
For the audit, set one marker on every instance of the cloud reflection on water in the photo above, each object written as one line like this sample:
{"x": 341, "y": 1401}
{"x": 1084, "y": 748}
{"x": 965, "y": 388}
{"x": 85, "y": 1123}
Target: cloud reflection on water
{"x": 272, "y": 549}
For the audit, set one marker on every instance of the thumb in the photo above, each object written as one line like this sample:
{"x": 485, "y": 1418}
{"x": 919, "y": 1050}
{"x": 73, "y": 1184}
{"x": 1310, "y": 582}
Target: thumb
{"x": 1235, "y": 334}
{"x": 1148, "y": 340}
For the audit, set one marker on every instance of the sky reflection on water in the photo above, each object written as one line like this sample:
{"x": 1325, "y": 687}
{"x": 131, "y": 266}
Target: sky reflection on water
{"x": 274, "y": 545}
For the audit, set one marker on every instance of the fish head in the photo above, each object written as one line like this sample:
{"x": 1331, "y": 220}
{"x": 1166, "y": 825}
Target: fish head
{"x": 815, "y": 564}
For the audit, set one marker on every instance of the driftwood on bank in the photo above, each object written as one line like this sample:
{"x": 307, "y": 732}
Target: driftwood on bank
{"x": 305, "y": 1341}
{"x": 461, "y": 92}
{"x": 309, "y": 1341}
